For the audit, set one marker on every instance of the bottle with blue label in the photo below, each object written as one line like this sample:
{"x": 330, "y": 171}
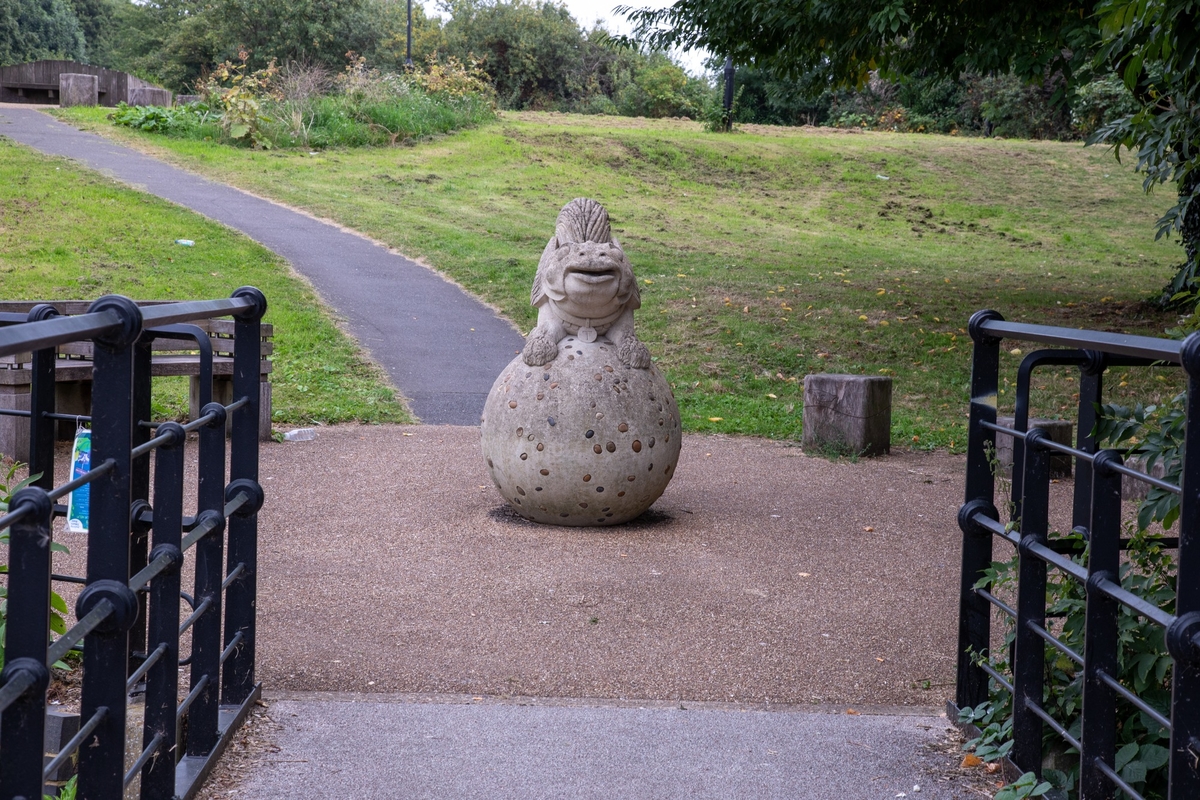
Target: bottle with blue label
{"x": 81, "y": 462}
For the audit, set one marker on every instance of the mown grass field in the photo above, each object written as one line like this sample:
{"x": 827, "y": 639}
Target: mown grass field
{"x": 68, "y": 233}
{"x": 763, "y": 255}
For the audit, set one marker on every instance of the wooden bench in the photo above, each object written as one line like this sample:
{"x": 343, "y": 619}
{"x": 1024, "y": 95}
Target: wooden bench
{"x": 73, "y": 375}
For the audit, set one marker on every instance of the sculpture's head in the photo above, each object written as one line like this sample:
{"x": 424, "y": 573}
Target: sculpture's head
{"x": 589, "y": 280}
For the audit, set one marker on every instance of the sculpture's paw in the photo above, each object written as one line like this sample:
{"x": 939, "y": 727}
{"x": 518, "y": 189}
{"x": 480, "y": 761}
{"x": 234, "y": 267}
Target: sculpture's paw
{"x": 539, "y": 350}
{"x": 634, "y": 353}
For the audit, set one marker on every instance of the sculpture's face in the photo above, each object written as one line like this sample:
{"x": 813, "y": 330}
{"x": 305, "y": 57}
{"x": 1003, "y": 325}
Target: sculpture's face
{"x": 590, "y": 280}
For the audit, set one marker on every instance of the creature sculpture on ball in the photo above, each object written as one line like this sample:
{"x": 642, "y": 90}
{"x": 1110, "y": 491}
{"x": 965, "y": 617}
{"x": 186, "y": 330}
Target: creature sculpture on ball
{"x": 584, "y": 286}
{"x": 581, "y": 428}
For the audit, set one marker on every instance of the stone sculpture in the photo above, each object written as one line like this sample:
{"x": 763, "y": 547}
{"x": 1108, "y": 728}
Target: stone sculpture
{"x": 584, "y": 286}
{"x": 581, "y": 428}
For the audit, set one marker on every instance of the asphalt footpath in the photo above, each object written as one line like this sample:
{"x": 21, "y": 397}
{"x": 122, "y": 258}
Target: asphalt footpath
{"x": 406, "y": 315}
{"x": 471, "y": 748}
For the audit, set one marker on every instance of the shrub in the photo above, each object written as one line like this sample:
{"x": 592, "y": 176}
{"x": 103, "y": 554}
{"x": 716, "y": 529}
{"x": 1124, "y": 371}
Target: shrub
{"x": 302, "y": 105}
{"x": 155, "y": 119}
{"x": 239, "y": 96}
{"x": 662, "y": 89}
{"x": 1100, "y": 102}
{"x": 1007, "y": 106}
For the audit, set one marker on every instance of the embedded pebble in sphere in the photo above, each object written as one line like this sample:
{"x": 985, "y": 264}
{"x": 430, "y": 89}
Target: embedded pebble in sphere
{"x": 561, "y": 476}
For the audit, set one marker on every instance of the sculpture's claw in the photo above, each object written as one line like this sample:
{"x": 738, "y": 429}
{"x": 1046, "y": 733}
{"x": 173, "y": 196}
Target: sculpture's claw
{"x": 539, "y": 350}
{"x": 634, "y": 353}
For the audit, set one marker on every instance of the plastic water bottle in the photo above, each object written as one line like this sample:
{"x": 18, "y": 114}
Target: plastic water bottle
{"x": 185, "y": 242}
{"x": 300, "y": 435}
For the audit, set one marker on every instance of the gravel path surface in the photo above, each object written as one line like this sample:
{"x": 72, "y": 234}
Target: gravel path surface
{"x": 761, "y": 576}
{"x": 740, "y": 640}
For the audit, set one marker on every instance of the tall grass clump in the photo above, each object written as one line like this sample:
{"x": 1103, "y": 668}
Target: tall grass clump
{"x": 363, "y": 106}
{"x": 303, "y": 105}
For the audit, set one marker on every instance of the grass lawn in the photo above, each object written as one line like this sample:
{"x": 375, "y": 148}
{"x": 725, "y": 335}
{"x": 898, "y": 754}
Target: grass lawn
{"x": 69, "y": 233}
{"x": 763, "y": 255}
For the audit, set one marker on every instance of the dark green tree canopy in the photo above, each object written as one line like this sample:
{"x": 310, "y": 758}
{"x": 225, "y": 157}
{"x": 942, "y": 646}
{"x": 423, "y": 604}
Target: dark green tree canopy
{"x": 831, "y": 42}
{"x": 532, "y": 49}
{"x": 36, "y": 29}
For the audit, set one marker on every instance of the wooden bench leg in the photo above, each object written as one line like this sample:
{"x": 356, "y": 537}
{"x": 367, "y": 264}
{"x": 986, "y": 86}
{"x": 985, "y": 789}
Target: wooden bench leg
{"x": 14, "y": 431}
{"x": 223, "y": 394}
{"x": 264, "y": 411}
{"x": 71, "y": 397}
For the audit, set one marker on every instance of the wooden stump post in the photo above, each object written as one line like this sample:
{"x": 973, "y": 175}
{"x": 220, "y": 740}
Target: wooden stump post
{"x": 851, "y": 414}
{"x": 77, "y": 89}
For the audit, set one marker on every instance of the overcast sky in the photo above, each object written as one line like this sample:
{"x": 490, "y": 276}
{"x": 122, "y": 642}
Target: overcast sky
{"x": 587, "y": 12}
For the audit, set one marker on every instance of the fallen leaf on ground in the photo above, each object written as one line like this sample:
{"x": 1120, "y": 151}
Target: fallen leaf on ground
{"x": 852, "y": 712}
{"x": 868, "y": 529}
{"x": 971, "y": 760}
{"x": 993, "y": 767}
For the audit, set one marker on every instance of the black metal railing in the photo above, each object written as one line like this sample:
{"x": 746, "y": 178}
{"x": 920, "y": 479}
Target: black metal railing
{"x": 139, "y": 537}
{"x": 1096, "y": 515}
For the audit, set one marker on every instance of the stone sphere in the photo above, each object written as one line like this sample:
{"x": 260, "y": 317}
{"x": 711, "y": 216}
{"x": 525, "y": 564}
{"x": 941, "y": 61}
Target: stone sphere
{"x": 583, "y": 440}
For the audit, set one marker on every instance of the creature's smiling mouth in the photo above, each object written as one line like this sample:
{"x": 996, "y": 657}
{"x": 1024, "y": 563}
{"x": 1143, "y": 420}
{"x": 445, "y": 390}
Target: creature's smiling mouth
{"x": 593, "y": 278}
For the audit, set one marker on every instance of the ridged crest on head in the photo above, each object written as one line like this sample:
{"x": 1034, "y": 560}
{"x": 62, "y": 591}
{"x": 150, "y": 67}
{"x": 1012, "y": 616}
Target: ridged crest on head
{"x": 583, "y": 220}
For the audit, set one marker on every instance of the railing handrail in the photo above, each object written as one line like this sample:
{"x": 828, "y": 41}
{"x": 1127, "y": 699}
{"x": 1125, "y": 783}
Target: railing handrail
{"x": 1115, "y": 343}
{"x": 57, "y": 330}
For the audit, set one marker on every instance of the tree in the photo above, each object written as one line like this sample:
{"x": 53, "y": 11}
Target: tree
{"x": 531, "y": 49}
{"x": 95, "y": 21}
{"x": 838, "y": 42}
{"x": 36, "y": 29}
{"x": 322, "y": 31}
{"x": 1153, "y": 44}
{"x": 660, "y": 88}
{"x": 172, "y": 42}
{"x": 176, "y": 42}
{"x": 1155, "y": 47}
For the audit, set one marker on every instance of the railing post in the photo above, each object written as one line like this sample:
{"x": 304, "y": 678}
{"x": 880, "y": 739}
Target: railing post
{"x": 1091, "y": 391}
{"x": 105, "y": 655}
{"x": 42, "y": 401}
{"x": 237, "y": 678}
{"x": 1099, "y": 728}
{"x": 974, "y": 613}
{"x": 1183, "y": 637}
{"x": 1030, "y": 667}
{"x": 26, "y": 638}
{"x": 204, "y": 714}
{"x": 162, "y": 680}
{"x": 139, "y": 490}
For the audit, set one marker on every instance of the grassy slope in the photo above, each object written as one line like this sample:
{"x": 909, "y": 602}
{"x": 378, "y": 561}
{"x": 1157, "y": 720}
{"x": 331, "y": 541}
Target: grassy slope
{"x": 67, "y": 233}
{"x": 764, "y": 255}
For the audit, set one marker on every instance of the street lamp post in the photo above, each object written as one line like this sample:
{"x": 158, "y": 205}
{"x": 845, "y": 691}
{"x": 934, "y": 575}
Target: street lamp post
{"x": 408, "y": 52}
{"x": 729, "y": 93}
